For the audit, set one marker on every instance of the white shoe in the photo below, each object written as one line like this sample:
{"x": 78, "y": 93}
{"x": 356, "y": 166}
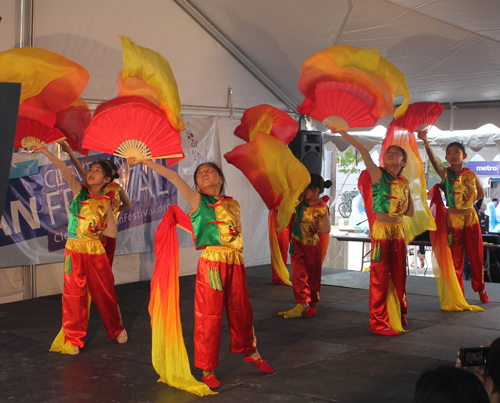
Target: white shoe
{"x": 122, "y": 337}
{"x": 76, "y": 351}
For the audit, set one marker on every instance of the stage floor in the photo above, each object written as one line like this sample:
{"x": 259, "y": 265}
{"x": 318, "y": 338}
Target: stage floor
{"x": 331, "y": 357}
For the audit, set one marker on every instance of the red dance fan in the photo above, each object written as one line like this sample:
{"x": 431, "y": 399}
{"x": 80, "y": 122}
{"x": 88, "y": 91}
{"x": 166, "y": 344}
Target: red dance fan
{"x": 420, "y": 116}
{"x": 31, "y": 133}
{"x": 133, "y": 129}
{"x": 339, "y": 105}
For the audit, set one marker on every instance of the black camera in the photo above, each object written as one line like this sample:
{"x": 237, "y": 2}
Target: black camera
{"x": 473, "y": 356}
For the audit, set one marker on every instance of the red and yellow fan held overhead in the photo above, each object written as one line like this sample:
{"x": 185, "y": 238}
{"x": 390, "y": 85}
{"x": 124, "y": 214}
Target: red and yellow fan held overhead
{"x": 144, "y": 120}
{"x": 271, "y": 168}
{"x": 32, "y": 133}
{"x": 420, "y": 116}
{"x": 268, "y": 119}
{"x": 348, "y": 87}
{"x": 72, "y": 122}
{"x": 169, "y": 355}
{"x": 131, "y": 126}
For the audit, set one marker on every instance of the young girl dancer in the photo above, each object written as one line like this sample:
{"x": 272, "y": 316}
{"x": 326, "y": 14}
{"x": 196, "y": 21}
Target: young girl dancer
{"x": 391, "y": 200}
{"x": 462, "y": 188}
{"x": 119, "y": 198}
{"x": 311, "y": 217}
{"x": 86, "y": 267}
{"x": 221, "y": 279}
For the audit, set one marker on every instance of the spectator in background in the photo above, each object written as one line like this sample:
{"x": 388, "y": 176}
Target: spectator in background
{"x": 450, "y": 385}
{"x": 492, "y": 215}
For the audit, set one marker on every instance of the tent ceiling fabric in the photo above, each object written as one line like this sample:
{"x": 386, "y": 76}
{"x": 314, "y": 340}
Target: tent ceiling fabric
{"x": 449, "y": 50}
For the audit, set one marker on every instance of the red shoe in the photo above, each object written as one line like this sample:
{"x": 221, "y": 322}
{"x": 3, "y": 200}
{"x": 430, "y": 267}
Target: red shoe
{"x": 211, "y": 381}
{"x": 261, "y": 364}
{"x": 484, "y": 297}
{"x": 310, "y": 311}
{"x": 386, "y": 332}
{"x": 404, "y": 321}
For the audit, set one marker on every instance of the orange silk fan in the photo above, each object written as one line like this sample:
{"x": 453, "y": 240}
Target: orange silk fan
{"x": 339, "y": 105}
{"x": 131, "y": 126}
{"x": 72, "y": 122}
{"x": 268, "y": 119}
{"x": 30, "y": 133}
{"x": 420, "y": 116}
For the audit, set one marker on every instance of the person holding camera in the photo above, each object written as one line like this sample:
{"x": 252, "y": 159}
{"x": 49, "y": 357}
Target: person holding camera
{"x": 486, "y": 364}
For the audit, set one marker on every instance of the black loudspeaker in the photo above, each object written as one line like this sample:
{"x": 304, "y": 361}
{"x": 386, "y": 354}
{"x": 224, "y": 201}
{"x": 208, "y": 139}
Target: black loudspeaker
{"x": 9, "y": 108}
{"x": 307, "y": 146}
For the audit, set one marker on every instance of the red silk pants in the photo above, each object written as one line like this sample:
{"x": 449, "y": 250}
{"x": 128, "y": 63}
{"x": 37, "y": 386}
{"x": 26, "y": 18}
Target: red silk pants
{"x": 389, "y": 237}
{"x": 226, "y": 264}
{"x": 110, "y": 247}
{"x": 464, "y": 234}
{"x": 90, "y": 273}
{"x": 306, "y": 272}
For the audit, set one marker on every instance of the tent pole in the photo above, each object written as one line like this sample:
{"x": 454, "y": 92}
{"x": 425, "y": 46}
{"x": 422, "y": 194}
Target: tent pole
{"x": 26, "y": 29}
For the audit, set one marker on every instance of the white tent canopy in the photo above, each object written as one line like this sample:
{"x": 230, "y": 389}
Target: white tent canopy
{"x": 449, "y": 50}
{"x": 484, "y": 141}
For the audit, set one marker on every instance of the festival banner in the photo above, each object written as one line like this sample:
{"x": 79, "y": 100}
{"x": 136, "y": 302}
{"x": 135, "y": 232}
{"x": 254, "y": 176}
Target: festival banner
{"x": 33, "y": 227}
{"x": 35, "y": 218}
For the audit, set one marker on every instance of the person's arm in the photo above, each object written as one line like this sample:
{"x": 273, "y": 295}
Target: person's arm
{"x": 124, "y": 199}
{"x": 438, "y": 167}
{"x": 111, "y": 230}
{"x": 479, "y": 187}
{"x": 411, "y": 209}
{"x": 192, "y": 196}
{"x": 79, "y": 168}
{"x": 325, "y": 224}
{"x": 373, "y": 170}
{"x": 74, "y": 185}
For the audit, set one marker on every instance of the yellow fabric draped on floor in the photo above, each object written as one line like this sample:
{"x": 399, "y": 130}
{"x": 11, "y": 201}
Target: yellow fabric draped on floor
{"x": 450, "y": 293}
{"x": 169, "y": 355}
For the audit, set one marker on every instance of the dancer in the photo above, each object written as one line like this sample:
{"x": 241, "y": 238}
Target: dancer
{"x": 462, "y": 188}
{"x": 86, "y": 267}
{"x": 391, "y": 199}
{"x": 221, "y": 279}
{"x": 311, "y": 217}
{"x": 119, "y": 198}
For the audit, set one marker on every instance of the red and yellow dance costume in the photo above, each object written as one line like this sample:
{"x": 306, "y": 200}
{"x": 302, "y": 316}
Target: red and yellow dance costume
{"x": 87, "y": 270}
{"x": 388, "y": 260}
{"x": 464, "y": 230}
{"x": 305, "y": 252}
{"x": 220, "y": 281}
{"x": 113, "y": 192}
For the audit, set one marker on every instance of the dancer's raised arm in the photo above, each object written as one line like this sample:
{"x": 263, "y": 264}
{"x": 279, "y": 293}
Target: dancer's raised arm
{"x": 192, "y": 196}
{"x": 373, "y": 170}
{"x": 73, "y": 183}
{"x": 438, "y": 167}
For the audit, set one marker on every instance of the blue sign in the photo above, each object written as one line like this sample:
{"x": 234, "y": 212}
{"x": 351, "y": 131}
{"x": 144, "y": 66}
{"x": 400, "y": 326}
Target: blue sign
{"x": 484, "y": 168}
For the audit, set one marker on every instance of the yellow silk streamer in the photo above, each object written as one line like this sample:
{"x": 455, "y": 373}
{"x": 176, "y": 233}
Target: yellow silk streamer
{"x": 169, "y": 355}
{"x": 35, "y": 68}
{"x": 276, "y": 258}
{"x": 451, "y": 296}
{"x": 155, "y": 70}
{"x": 422, "y": 219}
{"x": 394, "y": 308}
{"x": 367, "y": 60}
{"x": 58, "y": 345}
